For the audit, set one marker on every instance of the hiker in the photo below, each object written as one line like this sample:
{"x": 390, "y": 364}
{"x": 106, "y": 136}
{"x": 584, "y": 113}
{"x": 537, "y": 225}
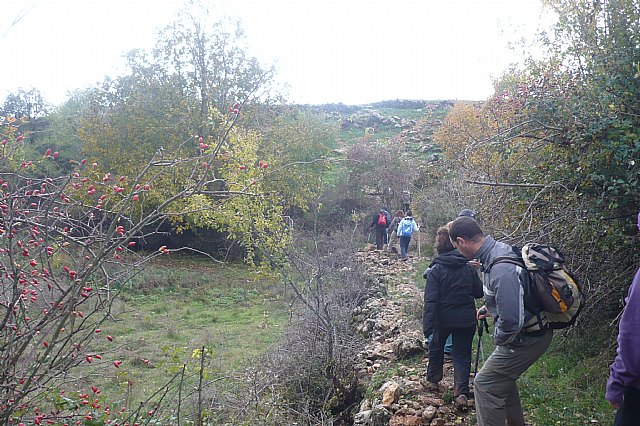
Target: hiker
{"x": 406, "y": 199}
{"x": 467, "y": 213}
{"x": 496, "y": 392}
{"x": 387, "y": 215}
{"x": 452, "y": 285}
{"x": 393, "y": 228}
{"x": 623, "y": 386}
{"x": 448, "y": 347}
{"x": 379, "y": 223}
{"x": 406, "y": 227}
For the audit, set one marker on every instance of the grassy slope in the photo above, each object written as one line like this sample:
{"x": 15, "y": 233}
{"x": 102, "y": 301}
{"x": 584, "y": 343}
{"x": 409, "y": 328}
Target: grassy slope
{"x": 177, "y": 306}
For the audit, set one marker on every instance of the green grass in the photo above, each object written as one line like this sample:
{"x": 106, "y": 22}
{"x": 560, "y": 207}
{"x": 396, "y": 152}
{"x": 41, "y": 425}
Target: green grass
{"x": 174, "y": 308}
{"x": 420, "y": 268}
{"x": 565, "y": 387}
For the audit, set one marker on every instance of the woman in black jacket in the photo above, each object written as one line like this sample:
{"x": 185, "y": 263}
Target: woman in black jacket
{"x": 449, "y": 308}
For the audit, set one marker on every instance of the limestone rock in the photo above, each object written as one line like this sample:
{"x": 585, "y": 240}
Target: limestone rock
{"x": 363, "y": 418}
{"x": 402, "y": 420}
{"x": 407, "y": 346}
{"x": 380, "y": 416}
{"x": 389, "y": 393}
{"x": 429, "y": 412}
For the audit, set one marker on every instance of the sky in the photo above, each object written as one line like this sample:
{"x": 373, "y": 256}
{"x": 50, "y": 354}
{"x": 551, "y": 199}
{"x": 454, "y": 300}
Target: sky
{"x": 326, "y": 51}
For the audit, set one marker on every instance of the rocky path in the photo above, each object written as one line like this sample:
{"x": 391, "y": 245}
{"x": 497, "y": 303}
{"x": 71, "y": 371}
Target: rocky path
{"x": 394, "y": 361}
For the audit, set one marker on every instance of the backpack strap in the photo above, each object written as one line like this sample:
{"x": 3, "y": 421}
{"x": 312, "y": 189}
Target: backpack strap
{"x": 504, "y": 259}
{"x": 530, "y": 297}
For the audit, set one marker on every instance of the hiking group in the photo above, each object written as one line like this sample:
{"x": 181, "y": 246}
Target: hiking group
{"x": 528, "y": 292}
{"x": 402, "y": 227}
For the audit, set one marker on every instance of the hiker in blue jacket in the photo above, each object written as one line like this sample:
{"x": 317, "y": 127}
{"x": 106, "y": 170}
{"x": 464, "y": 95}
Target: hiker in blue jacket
{"x": 406, "y": 227}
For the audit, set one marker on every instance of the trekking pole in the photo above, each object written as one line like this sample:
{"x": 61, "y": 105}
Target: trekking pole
{"x": 482, "y": 326}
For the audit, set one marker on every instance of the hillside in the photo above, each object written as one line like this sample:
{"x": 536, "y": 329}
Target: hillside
{"x": 410, "y": 122}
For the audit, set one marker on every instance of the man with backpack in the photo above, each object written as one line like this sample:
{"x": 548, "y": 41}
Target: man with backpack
{"x": 496, "y": 392}
{"x": 623, "y": 386}
{"x": 379, "y": 223}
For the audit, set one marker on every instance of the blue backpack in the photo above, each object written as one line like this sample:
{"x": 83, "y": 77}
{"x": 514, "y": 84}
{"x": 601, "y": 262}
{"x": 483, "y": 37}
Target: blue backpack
{"x": 407, "y": 228}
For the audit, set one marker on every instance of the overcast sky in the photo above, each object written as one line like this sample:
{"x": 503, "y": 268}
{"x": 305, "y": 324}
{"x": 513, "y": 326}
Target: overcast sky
{"x": 350, "y": 51}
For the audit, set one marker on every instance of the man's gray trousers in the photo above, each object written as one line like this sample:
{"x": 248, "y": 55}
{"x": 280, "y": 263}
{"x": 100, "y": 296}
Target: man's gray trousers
{"x": 496, "y": 392}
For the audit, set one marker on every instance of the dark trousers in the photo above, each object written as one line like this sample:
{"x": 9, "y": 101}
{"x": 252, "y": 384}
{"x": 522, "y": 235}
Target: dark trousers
{"x": 380, "y": 236}
{"x": 404, "y": 246}
{"x": 462, "y": 339}
{"x": 629, "y": 412}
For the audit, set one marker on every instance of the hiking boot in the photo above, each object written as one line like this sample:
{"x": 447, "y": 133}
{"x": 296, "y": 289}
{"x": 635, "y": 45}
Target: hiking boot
{"x": 430, "y": 386}
{"x": 461, "y": 402}
{"x": 456, "y": 393}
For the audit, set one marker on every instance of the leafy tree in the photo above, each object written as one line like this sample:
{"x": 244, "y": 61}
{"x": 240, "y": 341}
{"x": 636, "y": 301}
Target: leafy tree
{"x": 67, "y": 246}
{"x": 28, "y": 104}
{"x": 297, "y": 145}
{"x": 553, "y": 154}
{"x": 197, "y": 84}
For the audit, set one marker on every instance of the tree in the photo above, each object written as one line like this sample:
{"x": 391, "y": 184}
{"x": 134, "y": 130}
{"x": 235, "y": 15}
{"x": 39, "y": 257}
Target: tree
{"x": 28, "y": 104}
{"x": 553, "y": 153}
{"x": 67, "y": 244}
{"x": 380, "y": 170}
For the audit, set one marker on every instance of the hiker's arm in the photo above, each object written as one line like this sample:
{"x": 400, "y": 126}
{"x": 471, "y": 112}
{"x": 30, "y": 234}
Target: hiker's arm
{"x": 509, "y": 303}
{"x": 431, "y": 300}
{"x": 625, "y": 369}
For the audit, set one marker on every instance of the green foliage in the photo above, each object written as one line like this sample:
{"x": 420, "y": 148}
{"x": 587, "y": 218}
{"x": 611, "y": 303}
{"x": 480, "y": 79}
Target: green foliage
{"x": 297, "y": 146}
{"x": 199, "y": 81}
{"x": 552, "y": 157}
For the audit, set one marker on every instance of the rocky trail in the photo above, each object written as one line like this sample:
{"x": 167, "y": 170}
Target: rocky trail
{"x": 394, "y": 361}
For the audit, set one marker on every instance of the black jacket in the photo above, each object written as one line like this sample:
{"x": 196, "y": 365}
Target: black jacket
{"x": 452, "y": 285}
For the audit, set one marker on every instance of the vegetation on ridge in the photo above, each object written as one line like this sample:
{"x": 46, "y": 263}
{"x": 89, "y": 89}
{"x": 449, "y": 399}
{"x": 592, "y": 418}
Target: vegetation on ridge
{"x": 193, "y": 151}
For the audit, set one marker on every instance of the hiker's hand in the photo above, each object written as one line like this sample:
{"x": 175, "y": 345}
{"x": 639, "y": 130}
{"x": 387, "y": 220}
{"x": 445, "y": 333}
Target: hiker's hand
{"x": 614, "y": 404}
{"x": 482, "y": 313}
